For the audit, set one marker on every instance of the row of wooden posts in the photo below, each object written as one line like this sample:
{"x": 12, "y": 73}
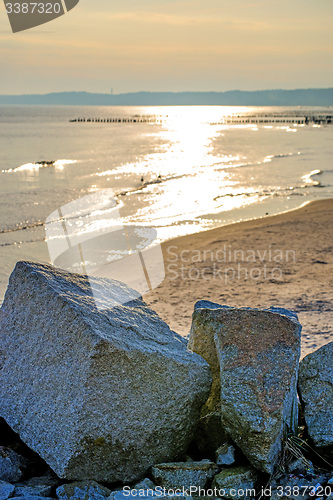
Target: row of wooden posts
{"x": 239, "y": 119}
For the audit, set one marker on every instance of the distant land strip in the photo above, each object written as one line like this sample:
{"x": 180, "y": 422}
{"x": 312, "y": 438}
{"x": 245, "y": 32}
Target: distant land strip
{"x": 297, "y": 97}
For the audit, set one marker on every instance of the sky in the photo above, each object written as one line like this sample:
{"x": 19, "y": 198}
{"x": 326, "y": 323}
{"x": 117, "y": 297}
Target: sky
{"x": 164, "y": 45}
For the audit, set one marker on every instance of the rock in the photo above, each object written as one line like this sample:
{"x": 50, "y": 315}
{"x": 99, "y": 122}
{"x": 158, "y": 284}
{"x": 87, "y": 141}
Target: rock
{"x": 202, "y": 342}
{"x": 315, "y": 387}
{"x": 143, "y": 489}
{"x": 210, "y": 435}
{"x": 298, "y": 487}
{"x": 49, "y": 479}
{"x": 236, "y": 482}
{"x": 300, "y": 464}
{"x": 37, "y": 486}
{"x": 279, "y": 495}
{"x": 33, "y": 491}
{"x": 83, "y": 490}
{"x": 145, "y": 484}
{"x": 184, "y": 474}
{"x": 225, "y": 454}
{"x": 100, "y": 395}
{"x": 285, "y": 481}
{"x": 11, "y": 464}
{"x": 31, "y": 498}
{"x": 115, "y": 495}
{"x": 6, "y": 490}
{"x": 258, "y": 354}
{"x": 131, "y": 494}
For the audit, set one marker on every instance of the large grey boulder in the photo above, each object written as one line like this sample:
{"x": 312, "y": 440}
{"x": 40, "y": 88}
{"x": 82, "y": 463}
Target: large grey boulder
{"x": 202, "y": 341}
{"x": 210, "y": 434}
{"x": 316, "y": 393}
{"x": 257, "y": 357}
{"x": 100, "y": 395}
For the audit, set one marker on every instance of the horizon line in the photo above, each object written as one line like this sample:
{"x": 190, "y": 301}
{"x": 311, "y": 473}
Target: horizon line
{"x": 167, "y": 91}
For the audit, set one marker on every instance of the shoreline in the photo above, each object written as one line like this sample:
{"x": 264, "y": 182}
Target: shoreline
{"x": 278, "y": 260}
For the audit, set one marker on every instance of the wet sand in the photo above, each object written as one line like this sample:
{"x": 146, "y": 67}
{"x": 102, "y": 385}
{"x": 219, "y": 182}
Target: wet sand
{"x": 283, "y": 260}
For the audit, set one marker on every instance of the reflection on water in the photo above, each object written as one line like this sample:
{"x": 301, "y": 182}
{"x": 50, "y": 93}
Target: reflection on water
{"x": 210, "y": 168}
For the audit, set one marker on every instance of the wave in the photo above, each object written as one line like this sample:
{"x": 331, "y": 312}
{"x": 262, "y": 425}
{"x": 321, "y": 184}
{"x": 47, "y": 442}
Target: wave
{"x": 309, "y": 181}
{"x": 296, "y": 190}
{"x": 288, "y": 191}
{"x": 39, "y": 224}
{"x": 285, "y": 155}
{"x": 13, "y": 243}
{"x": 33, "y": 167}
{"x": 143, "y": 185}
{"x": 22, "y": 228}
{"x": 260, "y": 192}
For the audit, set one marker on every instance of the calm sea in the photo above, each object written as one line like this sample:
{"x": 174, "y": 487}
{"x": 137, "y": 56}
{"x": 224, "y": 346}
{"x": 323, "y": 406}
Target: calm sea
{"x": 177, "y": 169}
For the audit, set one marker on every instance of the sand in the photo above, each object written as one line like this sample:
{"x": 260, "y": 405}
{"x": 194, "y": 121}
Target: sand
{"x": 283, "y": 260}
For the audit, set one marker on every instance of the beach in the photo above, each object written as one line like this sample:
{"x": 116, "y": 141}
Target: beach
{"x": 283, "y": 260}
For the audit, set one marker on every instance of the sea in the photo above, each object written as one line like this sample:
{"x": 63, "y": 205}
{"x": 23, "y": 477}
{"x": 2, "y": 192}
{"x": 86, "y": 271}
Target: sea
{"x": 177, "y": 169}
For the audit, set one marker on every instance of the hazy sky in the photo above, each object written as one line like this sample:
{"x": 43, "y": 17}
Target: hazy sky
{"x": 162, "y": 45}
